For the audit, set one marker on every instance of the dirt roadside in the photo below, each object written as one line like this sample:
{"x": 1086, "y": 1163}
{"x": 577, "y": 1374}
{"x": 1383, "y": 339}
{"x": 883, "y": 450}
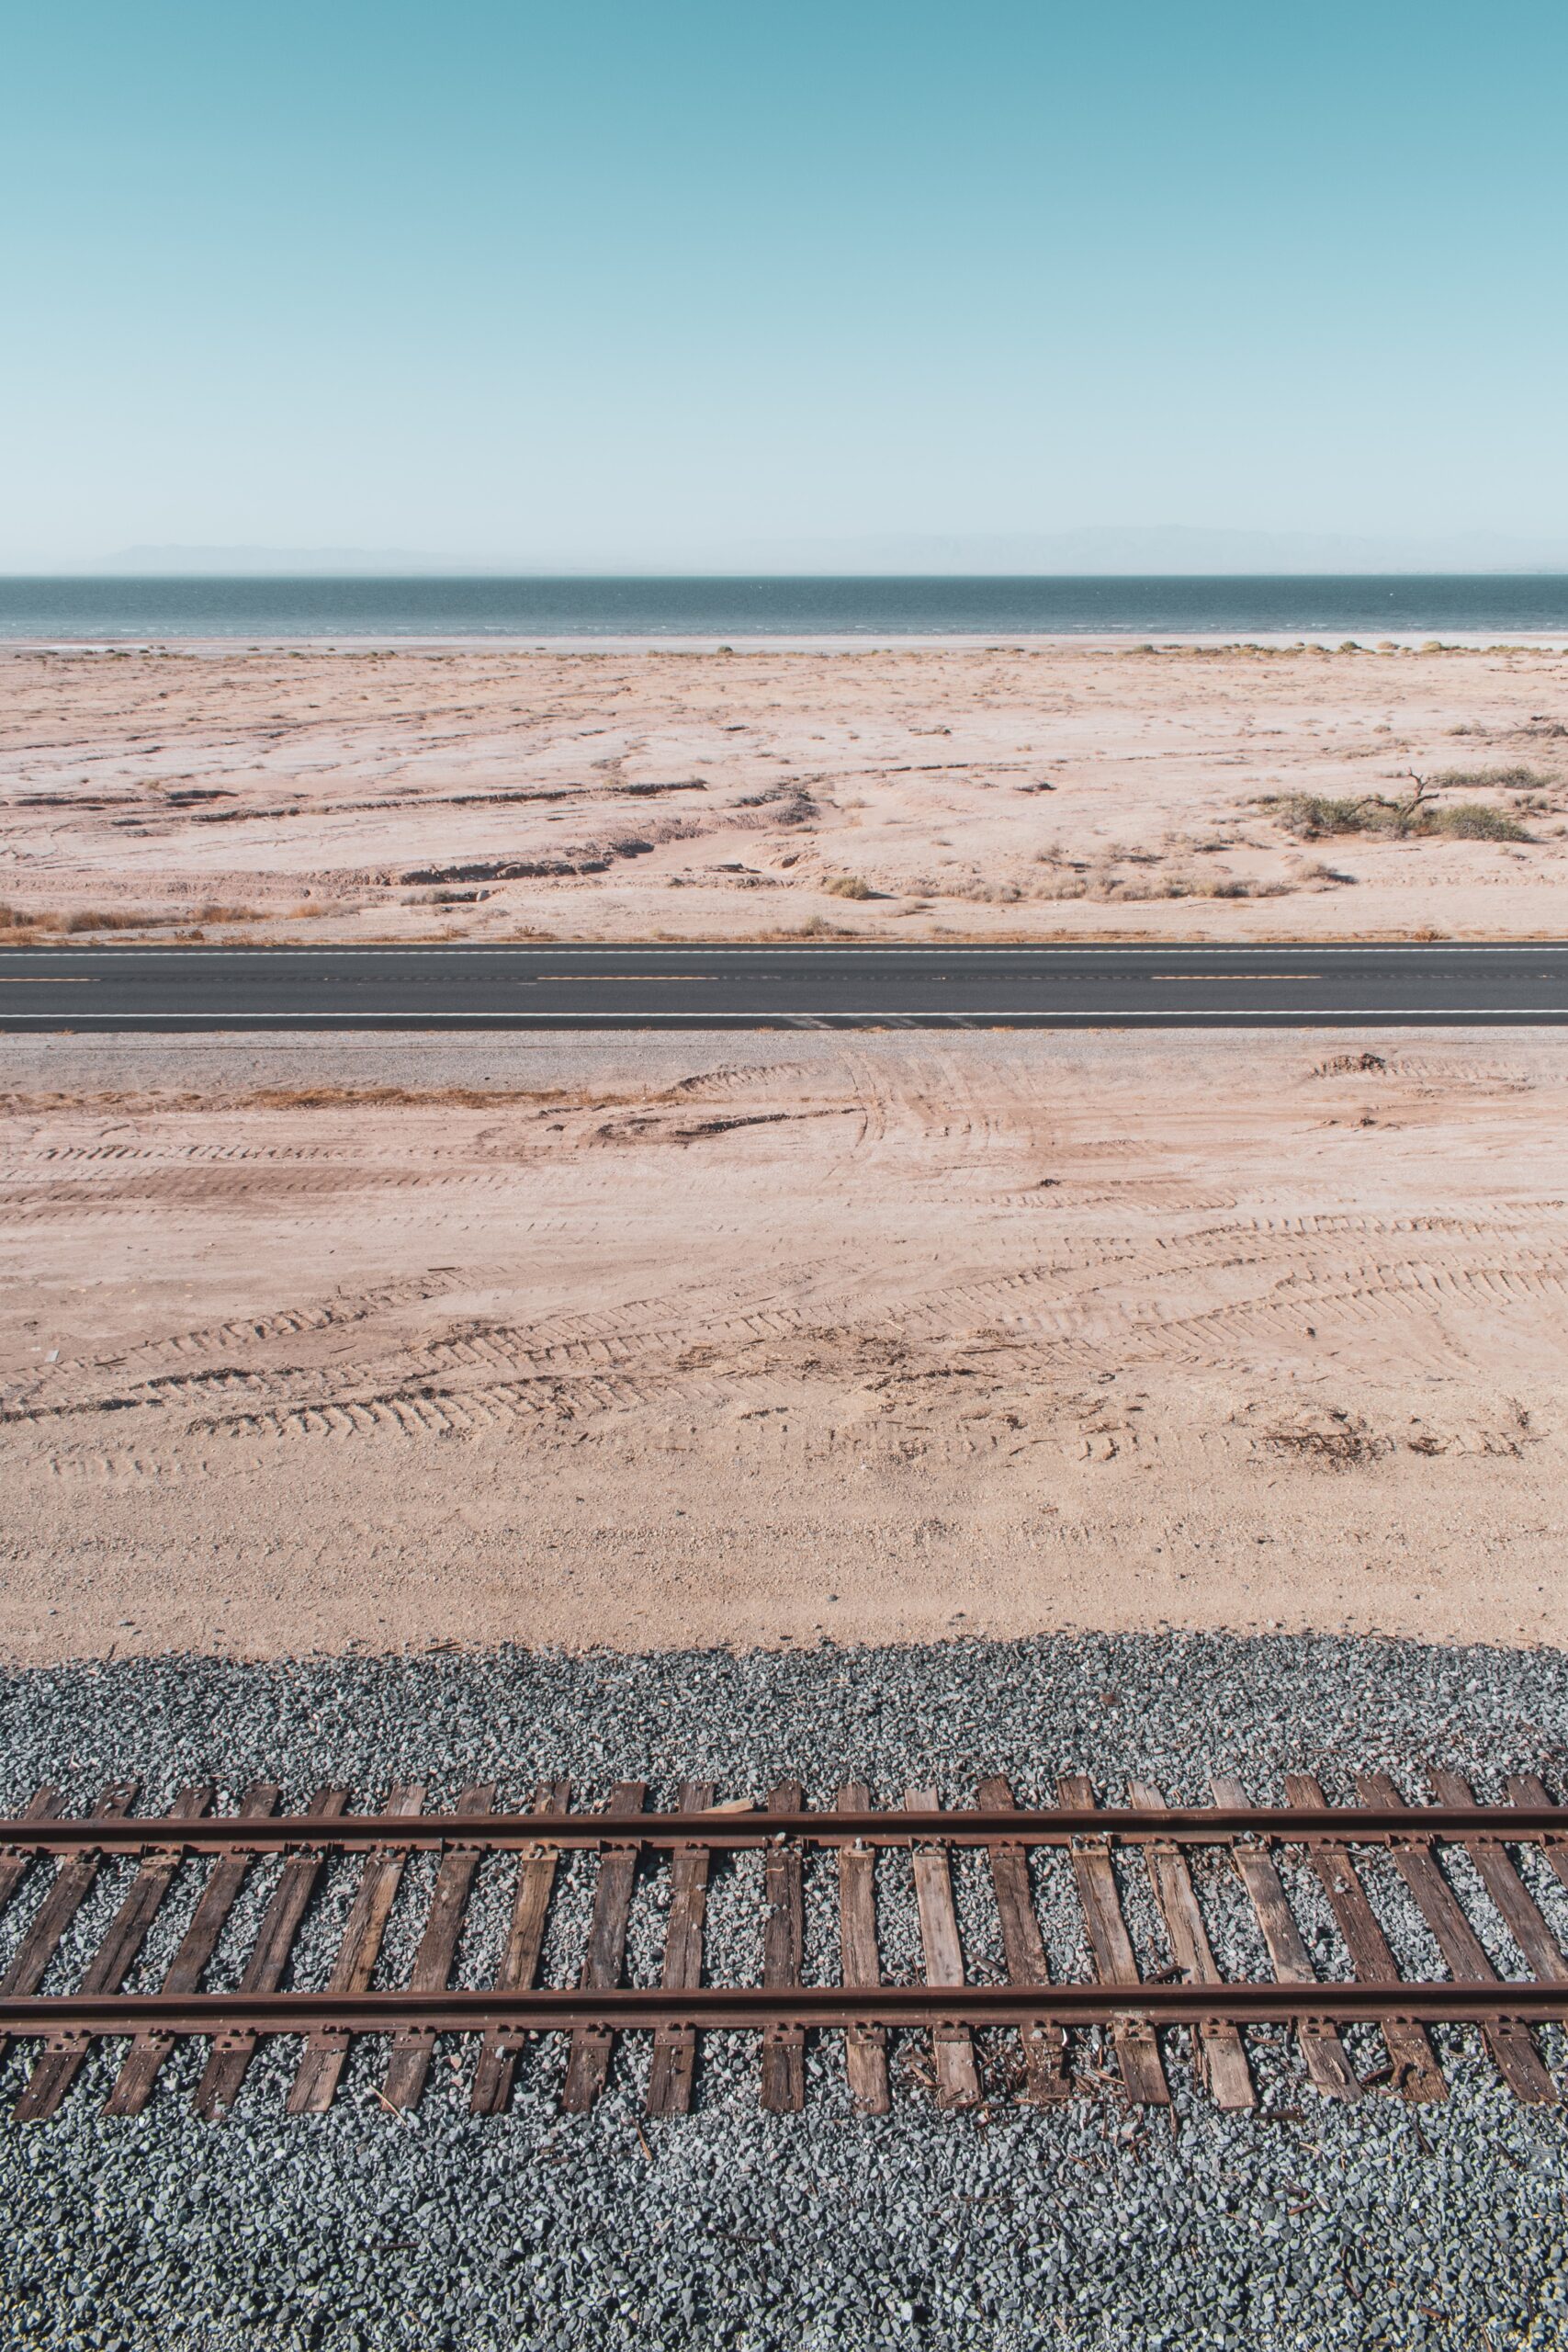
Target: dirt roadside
{"x": 306, "y": 1343}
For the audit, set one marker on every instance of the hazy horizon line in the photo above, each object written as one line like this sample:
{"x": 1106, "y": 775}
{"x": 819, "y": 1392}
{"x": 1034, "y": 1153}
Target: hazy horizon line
{"x": 1168, "y": 550}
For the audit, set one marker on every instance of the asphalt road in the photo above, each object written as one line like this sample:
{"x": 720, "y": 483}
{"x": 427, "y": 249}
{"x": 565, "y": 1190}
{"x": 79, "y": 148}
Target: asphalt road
{"x": 169, "y": 988}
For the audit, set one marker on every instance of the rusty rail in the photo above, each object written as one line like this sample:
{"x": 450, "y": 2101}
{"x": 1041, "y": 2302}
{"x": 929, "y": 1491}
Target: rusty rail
{"x": 723, "y": 1830}
{"x": 752, "y": 2009}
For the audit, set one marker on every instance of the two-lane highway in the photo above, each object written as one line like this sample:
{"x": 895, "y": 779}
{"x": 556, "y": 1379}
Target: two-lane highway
{"x": 774, "y": 985}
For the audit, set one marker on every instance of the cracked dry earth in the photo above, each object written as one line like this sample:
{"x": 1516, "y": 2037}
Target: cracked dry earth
{"x": 662, "y": 1343}
{"x": 1067, "y": 790}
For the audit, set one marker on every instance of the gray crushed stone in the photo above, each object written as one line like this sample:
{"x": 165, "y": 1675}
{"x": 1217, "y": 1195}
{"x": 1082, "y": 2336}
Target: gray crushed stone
{"x": 1300, "y": 2226}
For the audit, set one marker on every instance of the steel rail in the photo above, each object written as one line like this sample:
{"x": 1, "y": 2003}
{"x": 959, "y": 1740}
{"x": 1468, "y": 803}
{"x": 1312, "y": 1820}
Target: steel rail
{"x": 717, "y": 1832}
{"x": 61, "y": 2017}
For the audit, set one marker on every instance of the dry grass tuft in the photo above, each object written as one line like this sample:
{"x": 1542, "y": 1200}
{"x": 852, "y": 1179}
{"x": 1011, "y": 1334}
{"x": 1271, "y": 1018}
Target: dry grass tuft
{"x": 1515, "y": 779}
{"x": 35, "y": 923}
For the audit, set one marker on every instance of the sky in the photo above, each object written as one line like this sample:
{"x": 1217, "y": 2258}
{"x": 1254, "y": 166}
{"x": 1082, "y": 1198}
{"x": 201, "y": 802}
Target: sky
{"x": 610, "y": 281}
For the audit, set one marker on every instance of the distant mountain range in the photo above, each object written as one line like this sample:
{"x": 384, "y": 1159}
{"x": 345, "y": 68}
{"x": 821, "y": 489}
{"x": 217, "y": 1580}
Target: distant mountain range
{"x": 185, "y": 563}
{"x": 1171, "y": 549}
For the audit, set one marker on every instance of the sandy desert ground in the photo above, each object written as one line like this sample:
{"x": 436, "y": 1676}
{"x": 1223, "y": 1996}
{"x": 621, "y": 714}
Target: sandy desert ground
{"x": 1061, "y": 792}
{"x": 655, "y": 1341}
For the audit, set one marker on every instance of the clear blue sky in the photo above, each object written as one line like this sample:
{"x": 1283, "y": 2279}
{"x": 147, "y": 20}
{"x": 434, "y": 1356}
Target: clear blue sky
{"x": 618, "y": 278}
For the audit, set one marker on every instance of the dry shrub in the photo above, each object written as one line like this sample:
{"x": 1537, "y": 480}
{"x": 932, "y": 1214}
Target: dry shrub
{"x": 1467, "y": 820}
{"x": 849, "y": 886}
{"x": 1311, "y": 816}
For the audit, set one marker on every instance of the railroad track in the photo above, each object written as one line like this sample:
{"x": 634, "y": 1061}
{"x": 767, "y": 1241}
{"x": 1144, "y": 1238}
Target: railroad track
{"x": 207, "y": 1858}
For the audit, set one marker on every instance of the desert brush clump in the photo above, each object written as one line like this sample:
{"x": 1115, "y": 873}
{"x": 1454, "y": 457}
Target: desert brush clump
{"x": 1314, "y": 816}
{"x": 1470, "y": 821}
{"x": 849, "y": 886}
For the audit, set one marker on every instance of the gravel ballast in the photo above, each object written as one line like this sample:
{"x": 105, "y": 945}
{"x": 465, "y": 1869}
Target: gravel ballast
{"x": 1298, "y": 2224}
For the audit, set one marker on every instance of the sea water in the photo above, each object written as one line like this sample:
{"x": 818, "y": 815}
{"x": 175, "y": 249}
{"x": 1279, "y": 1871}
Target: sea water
{"x": 1366, "y": 606}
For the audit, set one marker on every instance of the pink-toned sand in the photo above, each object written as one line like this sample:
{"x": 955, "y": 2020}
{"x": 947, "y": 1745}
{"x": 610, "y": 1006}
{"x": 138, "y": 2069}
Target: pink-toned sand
{"x": 656, "y": 1342}
{"x": 1065, "y": 791}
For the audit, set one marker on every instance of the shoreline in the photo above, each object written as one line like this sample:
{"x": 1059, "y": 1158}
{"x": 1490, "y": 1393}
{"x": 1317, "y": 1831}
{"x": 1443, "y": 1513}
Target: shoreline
{"x": 1548, "y": 641}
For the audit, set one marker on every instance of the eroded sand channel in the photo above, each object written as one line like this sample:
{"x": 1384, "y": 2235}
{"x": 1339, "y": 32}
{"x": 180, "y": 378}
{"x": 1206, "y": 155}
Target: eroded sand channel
{"x": 666, "y": 1342}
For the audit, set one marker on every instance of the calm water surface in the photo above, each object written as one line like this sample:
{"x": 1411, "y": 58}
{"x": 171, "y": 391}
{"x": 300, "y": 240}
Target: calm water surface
{"x": 492, "y": 606}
